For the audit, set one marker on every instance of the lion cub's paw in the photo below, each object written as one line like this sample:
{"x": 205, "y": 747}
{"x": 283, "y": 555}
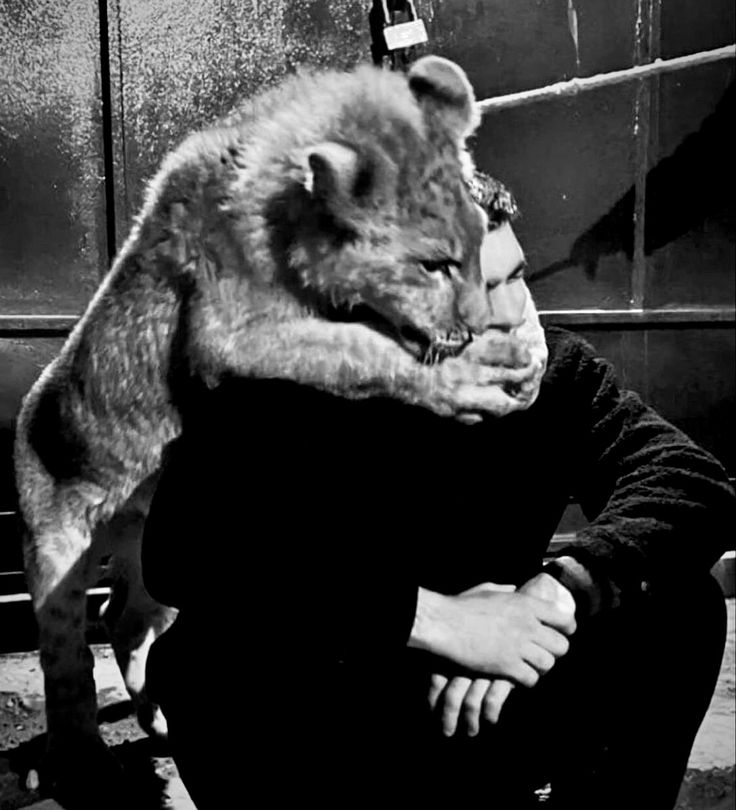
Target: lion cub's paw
{"x": 496, "y": 348}
{"x": 82, "y": 774}
{"x": 151, "y": 719}
{"x": 463, "y": 387}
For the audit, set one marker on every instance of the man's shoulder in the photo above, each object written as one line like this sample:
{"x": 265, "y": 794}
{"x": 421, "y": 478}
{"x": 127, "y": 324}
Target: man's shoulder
{"x": 570, "y": 354}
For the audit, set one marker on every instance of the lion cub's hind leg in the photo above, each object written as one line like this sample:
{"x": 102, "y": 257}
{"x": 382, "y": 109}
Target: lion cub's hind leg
{"x": 60, "y": 565}
{"x": 58, "y": 571}
{"x": 132, "y": 617}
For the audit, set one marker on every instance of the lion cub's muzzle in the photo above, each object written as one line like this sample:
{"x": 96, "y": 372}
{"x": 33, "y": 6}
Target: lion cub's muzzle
{"x": 435, "y": 348}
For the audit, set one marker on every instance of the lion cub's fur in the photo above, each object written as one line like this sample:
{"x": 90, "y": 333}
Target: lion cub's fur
{"x": 259, "y": 242}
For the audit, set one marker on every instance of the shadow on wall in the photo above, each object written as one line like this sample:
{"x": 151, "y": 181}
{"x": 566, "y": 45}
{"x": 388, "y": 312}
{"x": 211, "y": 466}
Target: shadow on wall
{"x": 17, "y": 374}
{"x": 683, "y": 191}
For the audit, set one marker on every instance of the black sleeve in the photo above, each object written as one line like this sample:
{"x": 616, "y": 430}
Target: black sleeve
{"x": 659, "y": 506}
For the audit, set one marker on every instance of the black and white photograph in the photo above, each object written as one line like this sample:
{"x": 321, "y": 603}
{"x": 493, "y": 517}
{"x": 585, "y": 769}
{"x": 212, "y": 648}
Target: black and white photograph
{"x": 367, "y": 393}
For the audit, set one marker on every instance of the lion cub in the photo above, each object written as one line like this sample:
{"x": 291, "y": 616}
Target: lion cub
{"x": 326, "y": 235}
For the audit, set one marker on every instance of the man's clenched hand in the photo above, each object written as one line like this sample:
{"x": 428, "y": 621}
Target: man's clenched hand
{"x": 465, "y": 701}
{"x": 491, "y": 632}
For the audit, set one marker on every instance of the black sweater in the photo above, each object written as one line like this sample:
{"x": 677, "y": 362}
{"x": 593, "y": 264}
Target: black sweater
{"x": 281, "y": 500}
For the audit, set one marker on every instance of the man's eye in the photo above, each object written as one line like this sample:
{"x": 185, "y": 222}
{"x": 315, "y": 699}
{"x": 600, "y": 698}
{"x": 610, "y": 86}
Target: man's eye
{"x": 517, "y": 274}
{"x": 445, "y": 266}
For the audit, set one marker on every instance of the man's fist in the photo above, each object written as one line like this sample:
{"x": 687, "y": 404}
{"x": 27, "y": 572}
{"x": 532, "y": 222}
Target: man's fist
{"x": 468, "y": 700}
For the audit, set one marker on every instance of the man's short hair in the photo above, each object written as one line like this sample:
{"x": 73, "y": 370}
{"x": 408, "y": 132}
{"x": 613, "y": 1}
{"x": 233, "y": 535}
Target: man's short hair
{"x": 494, "y": 198}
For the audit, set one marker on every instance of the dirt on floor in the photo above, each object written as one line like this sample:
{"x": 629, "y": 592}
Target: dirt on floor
{"x": 22, "y": 735}
{"x": 708, "y": 784}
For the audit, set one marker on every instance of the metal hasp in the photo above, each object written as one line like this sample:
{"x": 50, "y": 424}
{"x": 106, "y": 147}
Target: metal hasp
{"x": 396, "y": 30}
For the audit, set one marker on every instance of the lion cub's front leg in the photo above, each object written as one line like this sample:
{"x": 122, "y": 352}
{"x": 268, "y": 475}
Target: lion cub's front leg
{"x": 354, "y": 361}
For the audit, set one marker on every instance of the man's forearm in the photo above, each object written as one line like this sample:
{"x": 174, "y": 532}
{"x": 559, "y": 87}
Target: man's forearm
{"x": 492, "y": 630}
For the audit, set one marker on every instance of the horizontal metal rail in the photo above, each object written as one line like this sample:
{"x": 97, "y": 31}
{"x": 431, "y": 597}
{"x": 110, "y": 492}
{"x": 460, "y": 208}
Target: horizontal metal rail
{"x": 36, "y": 325}
{"x": 24, "y": 596}
{"x": 573, "y": 87}
{"x": 641, "y": 318}
{"x": 29, "y": 326}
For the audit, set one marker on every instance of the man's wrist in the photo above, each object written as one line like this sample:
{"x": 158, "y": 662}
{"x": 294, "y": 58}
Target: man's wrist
{"x": 429, "y": 631}
{"x": 574, "y": 576}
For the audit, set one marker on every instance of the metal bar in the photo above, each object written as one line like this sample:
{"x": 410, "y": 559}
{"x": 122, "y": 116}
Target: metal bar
{"x": 575, "y": 86}
{"x": 640, "y": 318}
{"x": 36, "y": 325}
{"x": 26, "y": 597}
{"x": 25, "y": 326}
{"x": 107, "y": 141}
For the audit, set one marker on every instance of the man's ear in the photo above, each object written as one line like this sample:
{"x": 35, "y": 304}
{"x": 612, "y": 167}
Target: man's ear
{"x": 442, "y": 85}
{"x": 331, "y": 173}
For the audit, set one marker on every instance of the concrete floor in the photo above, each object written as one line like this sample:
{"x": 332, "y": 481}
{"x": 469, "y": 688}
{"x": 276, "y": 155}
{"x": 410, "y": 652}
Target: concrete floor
{"x": 709, "y": 784}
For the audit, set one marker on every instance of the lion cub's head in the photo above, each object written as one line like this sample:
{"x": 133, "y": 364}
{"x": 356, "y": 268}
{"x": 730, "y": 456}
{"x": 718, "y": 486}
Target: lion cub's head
{"x": 378, "y": 218}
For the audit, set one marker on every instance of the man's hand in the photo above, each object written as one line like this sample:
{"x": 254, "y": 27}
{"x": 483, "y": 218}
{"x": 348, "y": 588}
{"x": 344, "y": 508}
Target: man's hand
{"x": 473, "y": 699}
{"x": 510, "y": 635}
{"x": 468, "y": 700}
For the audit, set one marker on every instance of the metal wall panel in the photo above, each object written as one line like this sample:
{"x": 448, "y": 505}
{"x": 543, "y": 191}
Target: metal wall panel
{"x": 509, "y": 46}
{"x": 52, "y": 226}
{"x": 568, "y": 162}
{"x": 688, "y": 26}
{"x": 179, "y": 66}
{"x": 691, "y": 208}
{"x": 685, "y": 373}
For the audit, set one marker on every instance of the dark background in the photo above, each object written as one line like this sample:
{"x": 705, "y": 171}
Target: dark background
{"x": 626, "y": 192}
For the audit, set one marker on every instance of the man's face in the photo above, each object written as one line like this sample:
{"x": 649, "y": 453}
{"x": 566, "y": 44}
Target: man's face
{"x": 502, "y": 265}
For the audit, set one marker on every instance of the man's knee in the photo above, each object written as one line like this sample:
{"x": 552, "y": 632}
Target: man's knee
{"x": 661, "y": 646}
{"x": 686, "y": 626}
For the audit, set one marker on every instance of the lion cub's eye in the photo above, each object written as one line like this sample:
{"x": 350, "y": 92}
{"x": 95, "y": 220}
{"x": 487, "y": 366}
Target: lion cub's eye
{"x": 444, "y": 266}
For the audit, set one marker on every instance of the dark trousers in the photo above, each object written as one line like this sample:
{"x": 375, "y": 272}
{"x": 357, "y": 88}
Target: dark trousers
{"x": 611, "y": 726}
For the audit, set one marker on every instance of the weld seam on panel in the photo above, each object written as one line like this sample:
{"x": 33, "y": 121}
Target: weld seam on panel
{"x": 642, "y": 112}
{"x": 107, "y": 140}
{"x": 121, "y": 80}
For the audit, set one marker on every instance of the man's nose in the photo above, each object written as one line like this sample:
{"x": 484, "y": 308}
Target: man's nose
{"x": 506, "y": 307}
{"x": 474, "y": 308}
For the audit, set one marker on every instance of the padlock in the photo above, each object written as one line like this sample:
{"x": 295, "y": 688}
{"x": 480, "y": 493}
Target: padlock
{"x": 406, "y": 34}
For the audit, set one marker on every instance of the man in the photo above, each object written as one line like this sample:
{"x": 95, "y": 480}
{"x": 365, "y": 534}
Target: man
{"x": 369, "y": 580}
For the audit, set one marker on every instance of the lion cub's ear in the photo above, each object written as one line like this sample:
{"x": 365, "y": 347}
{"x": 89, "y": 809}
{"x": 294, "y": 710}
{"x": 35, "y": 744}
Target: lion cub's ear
{"x": 442, "y": 85}
{"x": 332, "y": 172}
